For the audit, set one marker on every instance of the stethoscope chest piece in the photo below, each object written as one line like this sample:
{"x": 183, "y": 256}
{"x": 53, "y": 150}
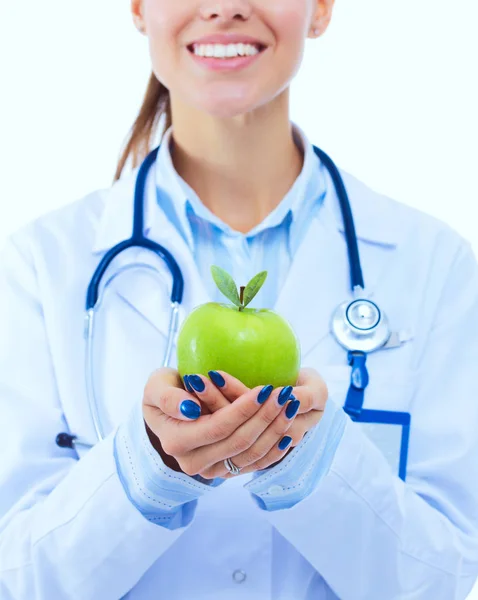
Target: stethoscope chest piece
{"x": 360, "y": 325}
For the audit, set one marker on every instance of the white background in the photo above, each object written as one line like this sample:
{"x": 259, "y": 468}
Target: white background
{"x": 390, "y": 92}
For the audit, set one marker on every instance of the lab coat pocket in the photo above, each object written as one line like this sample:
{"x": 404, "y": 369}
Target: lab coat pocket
{"x": 390, "y": 390}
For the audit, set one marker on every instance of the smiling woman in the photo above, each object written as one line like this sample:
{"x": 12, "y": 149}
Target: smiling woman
{"x": 332, "y": 457}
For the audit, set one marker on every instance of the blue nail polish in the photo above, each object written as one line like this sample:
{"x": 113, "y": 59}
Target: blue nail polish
{"x": 187, "y": 384}
{"x": 285, "y": 395}
{"x": 292, "y": 409}
{"x": 264, "y": 393}
{"x": 196, "y": 382}
{"x": 285, "y": 441}
{"x": 190, "y": 409}
{"x": 217, "y": 378}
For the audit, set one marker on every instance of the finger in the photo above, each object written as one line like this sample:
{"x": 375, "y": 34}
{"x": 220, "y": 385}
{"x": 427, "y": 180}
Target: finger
{"x": 164, "y": 391}
{"x": 206, "y": 391}
{"x": 304, "y": 423}
{"x": 204, "y": 407}
{"x": 232, "y": 388}
{"x": 265, "y": 442}
{"x": 299, "y": 427}
{"x": 211, "y": 429}
{"x": 271, "y": 436}
{"x": 247, "y": 433}
{"x": 301, "y": 424}
{"x": 158, "y": 422}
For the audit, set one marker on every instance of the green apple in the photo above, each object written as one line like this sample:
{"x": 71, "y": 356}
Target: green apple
{"x": 258, "y": 346}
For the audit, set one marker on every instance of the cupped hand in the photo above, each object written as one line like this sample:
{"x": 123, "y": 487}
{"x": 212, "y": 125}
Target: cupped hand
{"x": 199, "y": 443}
{"x": 222, "y": 389}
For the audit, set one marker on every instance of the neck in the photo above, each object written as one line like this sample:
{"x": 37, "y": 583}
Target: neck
{"x": 241, "y": 167}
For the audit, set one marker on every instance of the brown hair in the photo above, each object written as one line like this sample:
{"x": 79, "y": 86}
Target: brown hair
{"x": 156, "y": 103}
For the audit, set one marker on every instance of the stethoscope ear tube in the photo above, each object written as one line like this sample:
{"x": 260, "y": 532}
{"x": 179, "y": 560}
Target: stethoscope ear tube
{"x": 356, "y": 275}
{"x": 360, "y": 324}
{"x": 89, "y": 374}
{"x": 138, "y": 240}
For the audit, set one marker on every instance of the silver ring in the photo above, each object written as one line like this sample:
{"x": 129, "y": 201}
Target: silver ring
{"x": 231, "y": 467}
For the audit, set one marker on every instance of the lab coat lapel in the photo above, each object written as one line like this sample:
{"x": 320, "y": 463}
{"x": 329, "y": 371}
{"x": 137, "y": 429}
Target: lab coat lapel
{"x": 315, "y": 285}
{"x": 146, "y": 293}
{"x": 319, "y": 278}
{"x": 152, "y": 299}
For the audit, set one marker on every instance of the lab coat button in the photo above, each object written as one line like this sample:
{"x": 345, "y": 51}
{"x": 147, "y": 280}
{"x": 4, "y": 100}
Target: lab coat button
{"x": 275, "y": 489}
{"x": 239, "y": 576}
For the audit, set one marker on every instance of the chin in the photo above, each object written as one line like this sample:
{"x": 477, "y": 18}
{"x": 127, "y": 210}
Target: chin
{"x": 229, "y": 108}
{"x": 227, "y": 103}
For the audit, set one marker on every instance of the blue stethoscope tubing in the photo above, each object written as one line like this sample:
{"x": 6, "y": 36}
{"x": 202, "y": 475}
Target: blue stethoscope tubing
{"x": 138, "y": 240}
{"x": 349, "y": 333}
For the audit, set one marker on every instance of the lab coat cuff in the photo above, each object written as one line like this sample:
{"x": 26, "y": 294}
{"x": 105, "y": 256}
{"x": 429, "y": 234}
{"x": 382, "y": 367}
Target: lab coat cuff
{"x": 158, "y": 492}
{"x": 298, "y": 474}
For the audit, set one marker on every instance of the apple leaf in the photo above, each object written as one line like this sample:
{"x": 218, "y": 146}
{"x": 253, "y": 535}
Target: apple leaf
{"x": 226, "y": 284}
{"x": 254, "y": 286}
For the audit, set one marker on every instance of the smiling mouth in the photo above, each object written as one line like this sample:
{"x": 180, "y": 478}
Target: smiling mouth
{"x": 260, "y": 48}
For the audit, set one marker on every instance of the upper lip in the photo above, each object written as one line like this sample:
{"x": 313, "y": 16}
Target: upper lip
{"x": 228, "y": 38}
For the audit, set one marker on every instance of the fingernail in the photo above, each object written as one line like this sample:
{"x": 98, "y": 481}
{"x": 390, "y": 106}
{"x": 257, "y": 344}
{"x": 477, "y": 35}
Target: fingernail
{"x": 196, "y": 382}
{"x": 285, "y": 395}
{"x": 187, "y": 384}
{"x": 292, "y": 409}
{"x": 190, "y": 409}
{"x": 285, "y": 441}
{"x": 217, "y": 378}
{"x": 264, "y": 393}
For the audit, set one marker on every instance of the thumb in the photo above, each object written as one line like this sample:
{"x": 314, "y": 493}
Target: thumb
{"x": 311, "y": 390}
{"x": 307, "y": 376}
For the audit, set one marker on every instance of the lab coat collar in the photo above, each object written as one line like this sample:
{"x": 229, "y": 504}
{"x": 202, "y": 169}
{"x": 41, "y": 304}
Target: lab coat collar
{"x": 116, "y": 219}
{"x": 378, "y": 219}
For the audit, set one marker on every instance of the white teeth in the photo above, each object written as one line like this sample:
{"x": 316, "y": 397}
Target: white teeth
{"x": 225, "y": 51}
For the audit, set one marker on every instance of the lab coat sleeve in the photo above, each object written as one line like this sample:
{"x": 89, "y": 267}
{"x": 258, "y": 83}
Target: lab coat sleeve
{"x": 372, "y": 536}
{"x": 67, "y": 527}
{"x": 162, "y": 495}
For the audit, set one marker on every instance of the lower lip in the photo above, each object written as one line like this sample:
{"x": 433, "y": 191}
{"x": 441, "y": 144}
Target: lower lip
{"x": 225, "y": 64}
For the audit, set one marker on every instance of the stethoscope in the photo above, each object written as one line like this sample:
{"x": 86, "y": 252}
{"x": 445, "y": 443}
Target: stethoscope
{"x": 359, "y": 326}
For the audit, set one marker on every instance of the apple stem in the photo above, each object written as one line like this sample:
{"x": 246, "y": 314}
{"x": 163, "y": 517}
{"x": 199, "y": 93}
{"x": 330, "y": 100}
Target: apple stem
{"x": 241, "y": 297}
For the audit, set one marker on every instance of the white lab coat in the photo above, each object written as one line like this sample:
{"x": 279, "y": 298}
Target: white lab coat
{"x": 67, "y": 528}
